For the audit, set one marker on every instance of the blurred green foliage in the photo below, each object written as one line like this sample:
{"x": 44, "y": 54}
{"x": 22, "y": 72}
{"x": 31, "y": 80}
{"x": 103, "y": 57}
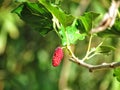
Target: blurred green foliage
{"x": 25, "y": 56}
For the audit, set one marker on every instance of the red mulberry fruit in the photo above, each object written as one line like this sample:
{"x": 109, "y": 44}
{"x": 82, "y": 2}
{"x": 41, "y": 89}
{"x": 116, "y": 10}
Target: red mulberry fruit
{"x": 57, "y": 57}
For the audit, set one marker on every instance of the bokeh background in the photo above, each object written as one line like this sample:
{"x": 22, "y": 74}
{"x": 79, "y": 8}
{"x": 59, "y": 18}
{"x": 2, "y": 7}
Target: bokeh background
{"x": 25, "y": 55}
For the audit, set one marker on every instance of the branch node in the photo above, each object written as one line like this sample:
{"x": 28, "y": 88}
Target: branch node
{"x": 90, "y": 70}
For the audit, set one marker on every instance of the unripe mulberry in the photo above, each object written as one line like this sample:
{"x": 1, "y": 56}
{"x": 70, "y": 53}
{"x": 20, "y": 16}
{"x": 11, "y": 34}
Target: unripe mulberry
{"x": 57, "y": 57}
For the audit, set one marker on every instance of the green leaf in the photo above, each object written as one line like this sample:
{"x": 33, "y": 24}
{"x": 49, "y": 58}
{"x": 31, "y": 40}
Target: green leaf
{"x": 117, "y": 73}
{"x": 71, "y": 34}
{"x": 18, "y": 10}
{"x": 36, "y": 16}
{"x": 105, "y": 49}
{"x": 63, "y": 18}
{"x": 86, "y": 21}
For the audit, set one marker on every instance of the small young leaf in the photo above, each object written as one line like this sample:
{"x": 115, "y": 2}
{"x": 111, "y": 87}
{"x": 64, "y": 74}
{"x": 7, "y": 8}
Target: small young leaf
{"x": 86, "y": 21}
{"x": 105, "y": 49}
{"x": 36, "y": 16}
{"x": 71, "y": 34}
{"x": 117, "y": 73}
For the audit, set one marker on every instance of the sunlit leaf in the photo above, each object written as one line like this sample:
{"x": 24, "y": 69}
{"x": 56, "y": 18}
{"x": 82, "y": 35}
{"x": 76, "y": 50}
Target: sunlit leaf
{"x": 71, "y": 34}
{"x": 64, "y": 19}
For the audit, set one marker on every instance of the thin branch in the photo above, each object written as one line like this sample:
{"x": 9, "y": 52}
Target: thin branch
{"x": 95, "y": 67}
{"x": 92, "y": 55}
{"x": 88, "y": 50}
{"x": 90, "y": 66}
{"x": 56, "y": 25}
{"x": 109, "y": 17}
